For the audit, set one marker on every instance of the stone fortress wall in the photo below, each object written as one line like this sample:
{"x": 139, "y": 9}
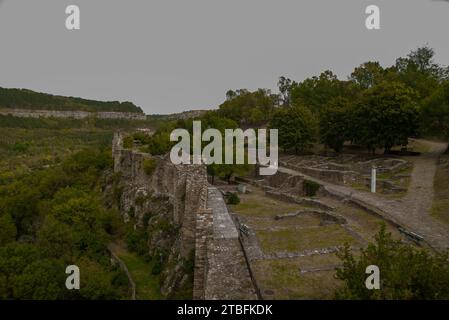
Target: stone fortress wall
{"x": 25, "y": 113}
{"x": 199, "y": 211}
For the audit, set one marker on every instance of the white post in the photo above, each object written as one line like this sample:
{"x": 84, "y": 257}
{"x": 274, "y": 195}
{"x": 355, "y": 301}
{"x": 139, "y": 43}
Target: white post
{"x": 373, "y": 180}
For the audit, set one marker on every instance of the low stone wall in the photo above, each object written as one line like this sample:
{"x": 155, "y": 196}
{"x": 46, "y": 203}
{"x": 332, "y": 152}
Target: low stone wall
{"x": 333, "y": 176}
{"x": 26, "y": 113}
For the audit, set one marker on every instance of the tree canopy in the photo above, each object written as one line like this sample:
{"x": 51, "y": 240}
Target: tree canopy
{"x": 405, "y": 272}
{"x": 27, "y": 99}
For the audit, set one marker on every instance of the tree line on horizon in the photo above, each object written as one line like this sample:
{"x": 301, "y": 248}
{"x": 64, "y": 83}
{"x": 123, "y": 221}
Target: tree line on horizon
{"x": 28, "y": 99}
{"x": 376, "y": 107}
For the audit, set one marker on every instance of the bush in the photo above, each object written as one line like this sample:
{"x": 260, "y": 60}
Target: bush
{"x": 136, "y": 241}
{"x": 128, "y": 142}
{"x": 233, "y": 198}
{"x": 148, "y": 166}
{"x": 21, "y": 147}
{"x": 407, "y": 272}
{"x": 310, "y": 188}
{"x": 142, "y": 137}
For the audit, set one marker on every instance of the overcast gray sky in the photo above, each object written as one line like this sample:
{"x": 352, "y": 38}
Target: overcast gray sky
{"x": 173, "y": 55}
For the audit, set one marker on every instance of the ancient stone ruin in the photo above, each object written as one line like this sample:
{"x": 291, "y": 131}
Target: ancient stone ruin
{"x": 181, "y": 196}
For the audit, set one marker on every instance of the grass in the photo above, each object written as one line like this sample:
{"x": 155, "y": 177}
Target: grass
{"x": 365, "y": 224}
{"x": 257, "y": 204}
{"x": 147, "y": 284}
{"x": 440, "y": 207}
{"x": 281, "y": 279}
{"x": 305, "y": 220}
{"x": 292, "y": 240}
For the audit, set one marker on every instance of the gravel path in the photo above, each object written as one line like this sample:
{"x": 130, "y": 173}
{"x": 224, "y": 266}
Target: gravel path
{"x": 412, "y": 211}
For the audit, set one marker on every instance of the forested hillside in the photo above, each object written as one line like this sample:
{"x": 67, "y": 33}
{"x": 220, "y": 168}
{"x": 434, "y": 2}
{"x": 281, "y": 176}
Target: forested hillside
{"x": 27, "y": 99}
{"x": 52, "y": 209}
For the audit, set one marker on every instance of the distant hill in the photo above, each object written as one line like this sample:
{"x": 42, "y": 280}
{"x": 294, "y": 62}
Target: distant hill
{"x": 30, "y": 100}
{"x": 180, "y": 116}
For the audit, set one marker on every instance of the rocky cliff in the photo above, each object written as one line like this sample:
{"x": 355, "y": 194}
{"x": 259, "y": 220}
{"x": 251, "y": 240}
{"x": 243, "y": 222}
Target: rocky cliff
{"x": 25, "y": 113}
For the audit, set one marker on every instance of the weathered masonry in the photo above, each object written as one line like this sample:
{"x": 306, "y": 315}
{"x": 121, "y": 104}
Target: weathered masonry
{"x": 181, "y": 194}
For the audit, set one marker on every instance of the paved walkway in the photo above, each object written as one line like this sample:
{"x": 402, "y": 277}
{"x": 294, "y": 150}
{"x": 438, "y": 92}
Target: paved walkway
{"x": 224, "y": 227}
{"x": 228, "y": 277}
{"x": 412, "y": 211}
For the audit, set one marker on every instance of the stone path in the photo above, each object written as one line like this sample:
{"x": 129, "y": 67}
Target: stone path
{"x": 412, "y": 211}
{"x": 224, "y": 227}
{"x": 228, "y": 276}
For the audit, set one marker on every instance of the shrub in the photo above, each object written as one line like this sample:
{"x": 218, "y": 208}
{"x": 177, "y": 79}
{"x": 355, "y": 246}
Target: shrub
{"x": 128, "y": 142}
{"x": 149, "y": 165}
{"x": 21, "y": 147}
{"x": 142, "y": 137}
{"x": 233, "y": 198}
{"x": 136, "y": 241}
{"x": 310, "y": 188}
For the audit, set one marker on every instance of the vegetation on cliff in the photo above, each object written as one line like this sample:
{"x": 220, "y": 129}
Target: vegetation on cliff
{"x": 55, "y": 217}
{"x": 27, "y": 99}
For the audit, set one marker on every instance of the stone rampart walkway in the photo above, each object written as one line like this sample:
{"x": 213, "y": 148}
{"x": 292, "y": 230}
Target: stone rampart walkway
{"x": 228, "y": 276}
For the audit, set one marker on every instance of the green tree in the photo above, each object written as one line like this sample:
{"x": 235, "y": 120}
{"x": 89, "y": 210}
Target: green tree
{"x": 83, "y": 214}
{"x": 385, "y": 116}
{"x": 316, "y": 92}
{"x": 435, "y": 112}
{"x": 96, "y": 284}
{"x": 240, "y": 106}
{"x": 14, "y": 258}
{"x": 40, "y": 280}
{"x": 55, "y": 239}
{"x": 419, "y": 71}
{"x": 285, "y": 86}
{"x": 20, "y": 204}
{"x": 8, "y": 231}
{"x": 335, "y": 123}
{"x": 368, "y": 74}
{"x": 297, "y": 128}
{"x": 405, "y": 272}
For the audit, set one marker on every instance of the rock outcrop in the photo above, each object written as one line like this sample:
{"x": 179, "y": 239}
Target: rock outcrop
{"x": 25, "y": 113}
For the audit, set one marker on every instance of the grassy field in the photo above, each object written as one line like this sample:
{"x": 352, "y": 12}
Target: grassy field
{"x": 281, "y": 279}
{"x": 440, "y": 207}
{"x": 294, "y": 240}
{"x": 257, "y": 204}
{"x": 147, "y": 284}
{"x": 307, "y": 277}
{"x": 304, "y": 220}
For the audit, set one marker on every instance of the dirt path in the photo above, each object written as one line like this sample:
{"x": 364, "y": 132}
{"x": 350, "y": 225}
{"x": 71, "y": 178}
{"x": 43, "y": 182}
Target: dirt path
{"x": 412, "y": 211}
